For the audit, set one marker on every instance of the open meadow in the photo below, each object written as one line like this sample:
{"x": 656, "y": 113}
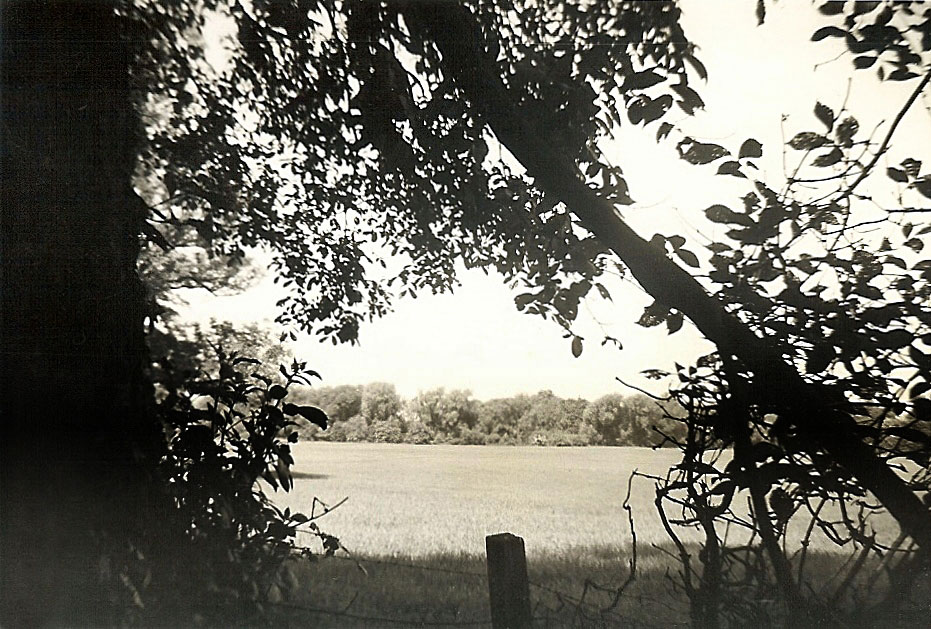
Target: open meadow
{"x": 416, "y": 518}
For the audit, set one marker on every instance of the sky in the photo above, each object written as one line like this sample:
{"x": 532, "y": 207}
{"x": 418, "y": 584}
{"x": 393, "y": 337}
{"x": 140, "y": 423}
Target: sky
{"x": 763, "y": 82}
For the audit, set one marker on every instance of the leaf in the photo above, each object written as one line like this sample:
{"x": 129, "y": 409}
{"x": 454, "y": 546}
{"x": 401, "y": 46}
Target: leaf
{"x": 915, "y": 244}
{"x": 825, "y": 114}
{"x": 653, "y": 315}
{"x": 674, "y": 322}
{"x": 807, "y": 140}
{"x": 642, "y": 80}
{"x": 311, "y": 413}
{"x": 663, "y": 131}
{"x": 690, "y": 98}
{"x": 896, "y": 261}
{"x": 846, "y": 130}
{"x": 698, "y": 66}
{"x": 656, "y": 108}
{"x": 750, "y": 148}
{"x": 901, "y": 74}
{"x": 827, "y": 31}
{"x": 730, "y": 167}
{"x": 718, "y": 213}
{"x": 923, "y": 186}
{"x": 522, "y": 300}
{"x": 654, "y": 374}
{"x": 676, "y": 241}
{"x": 911, "y": 166}
{"x": 688, "y": 257}
{"x": 869, "y": 291}
{"x": 635, "y": 111}
{"x": 700, "y": 153}
{"x": 828, "y": 159}
{"x": 576, "y": 346}
{"x": 284, "y": 474}
{"x": 863, "y": 62}
{"x": 760, "y": 12}
{"x": 832, "y": 7}
{"x": 276, "y": 392}
{"x": 897, "y": 175}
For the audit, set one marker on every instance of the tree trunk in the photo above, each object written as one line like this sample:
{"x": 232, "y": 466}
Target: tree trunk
{"x": 72, "y": 341}
{"x": 814, "y": 413}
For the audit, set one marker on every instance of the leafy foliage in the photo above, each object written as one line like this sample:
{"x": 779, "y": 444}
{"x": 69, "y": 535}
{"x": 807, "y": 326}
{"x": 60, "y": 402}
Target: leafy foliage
{"x": 832, "y": 278}
{"x": 221, "y": 549}
{"x": 264, "y": 147}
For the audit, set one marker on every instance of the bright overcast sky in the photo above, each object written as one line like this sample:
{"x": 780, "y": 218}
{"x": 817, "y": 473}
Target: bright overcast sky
{"x": 475, "y": 339}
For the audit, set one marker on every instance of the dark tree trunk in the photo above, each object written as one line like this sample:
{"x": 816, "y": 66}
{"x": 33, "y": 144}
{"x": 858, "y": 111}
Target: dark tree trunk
{"x": 72, "y": 341}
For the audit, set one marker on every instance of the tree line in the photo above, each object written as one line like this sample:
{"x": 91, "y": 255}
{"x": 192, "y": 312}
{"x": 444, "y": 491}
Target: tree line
{"x": 375, "y": 412}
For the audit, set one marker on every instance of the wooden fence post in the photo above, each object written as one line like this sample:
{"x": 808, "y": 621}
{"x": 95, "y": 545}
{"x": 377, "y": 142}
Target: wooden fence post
{"x": 508, "y": 587}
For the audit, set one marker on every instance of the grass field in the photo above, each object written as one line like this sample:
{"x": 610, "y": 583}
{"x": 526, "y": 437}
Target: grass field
{"x": 417, "y": 516}
{"x": 413, "y": 501}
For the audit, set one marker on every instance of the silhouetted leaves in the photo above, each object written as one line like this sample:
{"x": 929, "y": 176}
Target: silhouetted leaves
{"x": 653, "y": 315}
{"x": 312, "y": 414}
{"x": 897, "y": 175}
{"x": 687, "y": 257}
{"x": 690, "y": 100}
{"x": 846, "y": 130}
{"x": 642, "y": 80}
{"x": 911, "y": 166}
{"x": 750, "y": 148}
{"x": 828, "y": 31}
{"x": 730, "y": 168}
{"x": 825, "y": 114}
{"x": 828, "y": 159}
{"x": 923, "y": 185}
{"x": 722, "y": 214}
{"x": 760, "y": 12}
{"x": 832, "y": 7}
{"x": 700, "y": 153}
{"x": 807, "y": 140}
{"x": 576, "y": 346}
{"x": 674, "y": 322}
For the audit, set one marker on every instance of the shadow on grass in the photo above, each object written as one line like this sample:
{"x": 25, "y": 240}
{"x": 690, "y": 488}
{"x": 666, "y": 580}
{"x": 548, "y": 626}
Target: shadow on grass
{"x": 452, "y": 590}
{"x": 301, "y": 475}
{"x": 572, "y": 587}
